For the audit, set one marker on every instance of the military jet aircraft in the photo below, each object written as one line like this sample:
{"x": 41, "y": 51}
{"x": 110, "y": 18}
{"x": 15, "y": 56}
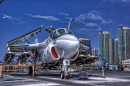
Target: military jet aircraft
{"x": 61, "y": 46}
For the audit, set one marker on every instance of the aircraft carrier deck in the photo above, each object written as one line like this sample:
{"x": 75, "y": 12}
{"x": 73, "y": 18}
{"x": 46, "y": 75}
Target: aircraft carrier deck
{"x": 113, "y": 78}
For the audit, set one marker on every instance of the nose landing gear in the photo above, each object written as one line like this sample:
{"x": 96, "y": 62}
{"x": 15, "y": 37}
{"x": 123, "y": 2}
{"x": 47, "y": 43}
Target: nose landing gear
{"x": 63, "y": 75}
{"x": 64, "y": 72}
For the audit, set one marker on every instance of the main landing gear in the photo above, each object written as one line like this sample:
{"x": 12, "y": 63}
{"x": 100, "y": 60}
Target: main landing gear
{"x": 64, "y": 72}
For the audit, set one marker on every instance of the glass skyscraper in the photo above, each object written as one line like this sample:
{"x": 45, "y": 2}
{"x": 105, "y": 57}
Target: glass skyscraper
{"x": 104, "y": 44}
{"x": 94, "y": 52}
{"x": 116, "y": 58}
{"x": 111, "y": 51}
{"x": 123, "y": 43}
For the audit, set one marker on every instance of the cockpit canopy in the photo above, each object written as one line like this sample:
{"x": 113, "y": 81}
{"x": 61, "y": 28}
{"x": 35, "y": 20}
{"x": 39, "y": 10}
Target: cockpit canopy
{"x": 59, "y": 32}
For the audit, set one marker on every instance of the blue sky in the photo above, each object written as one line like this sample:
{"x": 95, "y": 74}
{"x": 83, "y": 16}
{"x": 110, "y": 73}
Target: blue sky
{"x": 18, "y": 17}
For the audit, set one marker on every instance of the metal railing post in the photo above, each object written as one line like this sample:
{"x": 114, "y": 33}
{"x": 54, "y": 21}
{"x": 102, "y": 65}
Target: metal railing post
{"x": 103, "y": 72}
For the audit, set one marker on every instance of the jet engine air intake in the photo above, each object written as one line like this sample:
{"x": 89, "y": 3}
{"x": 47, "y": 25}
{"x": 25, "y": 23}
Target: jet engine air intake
{"x": 74, "y": 56}
{"x": 54, "y": 53}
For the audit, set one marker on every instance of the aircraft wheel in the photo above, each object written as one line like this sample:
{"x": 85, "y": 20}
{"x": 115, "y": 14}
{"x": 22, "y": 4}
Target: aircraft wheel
{"x": 67, "y": 77}
{"x": 62, "y": 75}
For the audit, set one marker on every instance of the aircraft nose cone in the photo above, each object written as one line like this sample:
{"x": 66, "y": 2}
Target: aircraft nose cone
{"x": 68, "y": 37}
{"x": 68, "y": 40}
{"x": 67, "y": 45}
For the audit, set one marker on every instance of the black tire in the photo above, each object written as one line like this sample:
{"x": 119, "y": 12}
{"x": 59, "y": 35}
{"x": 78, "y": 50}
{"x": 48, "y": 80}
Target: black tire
{"x": 62, "y": 75}
{"x": 30, "y": 71}
{"x": 68, "y": 76}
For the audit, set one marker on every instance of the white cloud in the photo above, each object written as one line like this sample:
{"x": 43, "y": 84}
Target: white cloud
{"x": 81, "y": 18}
{"x": 92, "y": 21}
{"x": 7, "y": 17}
{"x": 14, "y": 20}
{"x": 52, "y": 18}
{"x": 65, "y": 14}
{"x": 90, "y": 30}
{"x": 11, "y": 18}
{"x": 91, "y": 16}
{"x": 106, "y": 21}
{"x": 94, "y": 15}
{"x": 91, "y": 24}
{"x": 112, "y": 1}
{"x": 123, "y": 0}
{"x": 126, "y": 0}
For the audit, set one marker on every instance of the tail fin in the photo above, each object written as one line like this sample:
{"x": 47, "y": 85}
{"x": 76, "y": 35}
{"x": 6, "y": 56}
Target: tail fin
{"x": 36, "y": 40}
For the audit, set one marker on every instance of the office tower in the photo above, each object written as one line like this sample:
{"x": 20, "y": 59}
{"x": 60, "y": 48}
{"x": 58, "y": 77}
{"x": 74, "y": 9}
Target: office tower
{"x": 116, "y": 59}
{"x": 104, "y": 44}
{"x": 124, "y": 43}
{"x": 94, "y": 52}
{"x": 111, "y": 51}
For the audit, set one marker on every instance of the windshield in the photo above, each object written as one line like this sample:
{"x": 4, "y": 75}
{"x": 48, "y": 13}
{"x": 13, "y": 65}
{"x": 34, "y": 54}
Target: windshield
{"x": 59, "y": 32}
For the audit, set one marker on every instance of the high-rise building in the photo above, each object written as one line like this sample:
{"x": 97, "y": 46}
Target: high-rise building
{"x": 104, "y": 44}
{"x": 111, "y": 51}
{"x": 116, "y": 59}
{"x": 124, "y": 43}
{"x": 94, "y": 52}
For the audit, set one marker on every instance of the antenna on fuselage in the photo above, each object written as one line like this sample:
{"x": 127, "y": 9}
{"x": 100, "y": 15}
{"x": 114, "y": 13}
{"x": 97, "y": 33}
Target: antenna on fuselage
{"x": 36, "y": 40}
{"x": 69, "y": 24}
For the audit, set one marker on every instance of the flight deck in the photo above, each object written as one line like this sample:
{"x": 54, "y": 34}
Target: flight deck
{"x": 113, "y": 78}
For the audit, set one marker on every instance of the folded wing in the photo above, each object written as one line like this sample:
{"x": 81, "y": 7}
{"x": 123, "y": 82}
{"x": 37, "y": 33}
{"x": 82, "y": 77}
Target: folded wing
{"x": 26, "y": 47}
